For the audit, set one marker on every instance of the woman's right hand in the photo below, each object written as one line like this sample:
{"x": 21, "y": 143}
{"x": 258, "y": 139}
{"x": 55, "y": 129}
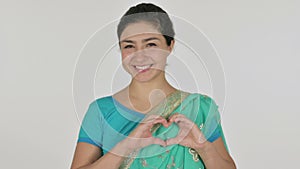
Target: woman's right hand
{"x": 141, "y": 136}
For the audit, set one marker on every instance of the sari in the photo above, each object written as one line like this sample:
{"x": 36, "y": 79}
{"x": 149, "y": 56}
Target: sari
{"x": 114, "y": 127}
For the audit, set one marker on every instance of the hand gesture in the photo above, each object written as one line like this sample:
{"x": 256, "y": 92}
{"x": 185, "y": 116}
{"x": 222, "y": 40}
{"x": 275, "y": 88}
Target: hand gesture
{"x": 189, "y": 133}
{"x": 141, "y": 136}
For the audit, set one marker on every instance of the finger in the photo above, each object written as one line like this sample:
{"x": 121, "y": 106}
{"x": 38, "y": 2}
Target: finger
{"x": 172, "y": 141}
{"x": 176, "y": 116}
{"x": 173, "y": 116}
{"x": 159, "y": 120}
{"x": 152, "y": 140}
{"x": 180, "y": 119}
{"x": 162, "y": 121}
{"x": 159, "y": 142}
{"x": 184, "y": 121}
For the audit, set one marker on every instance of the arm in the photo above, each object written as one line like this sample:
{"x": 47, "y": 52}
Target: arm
{"x": 215, "y": 155}
{"x": 88, "y": 156}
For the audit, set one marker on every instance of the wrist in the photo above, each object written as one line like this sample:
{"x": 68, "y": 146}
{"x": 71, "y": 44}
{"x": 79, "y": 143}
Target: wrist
{"x": 204, "y": 147}
{"x": 129, "y": 145}
{"x": 123, "y": 148}
{"x": 206, "y": 150}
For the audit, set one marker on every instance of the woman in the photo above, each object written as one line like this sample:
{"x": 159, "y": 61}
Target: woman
{"x": 150, "y": 124}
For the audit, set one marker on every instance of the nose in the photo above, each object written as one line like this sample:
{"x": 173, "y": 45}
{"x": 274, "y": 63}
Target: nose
{"x": 139, "y": 55}
{"x": 139, "y": 47}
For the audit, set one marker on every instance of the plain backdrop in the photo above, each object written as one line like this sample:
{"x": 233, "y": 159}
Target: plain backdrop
{"x": 40, "y": 42}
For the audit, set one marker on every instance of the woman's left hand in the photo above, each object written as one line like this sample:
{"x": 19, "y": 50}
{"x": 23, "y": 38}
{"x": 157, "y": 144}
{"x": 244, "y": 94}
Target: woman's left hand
{"x": 214, "y": 155}
{"x": 189, "y": 134}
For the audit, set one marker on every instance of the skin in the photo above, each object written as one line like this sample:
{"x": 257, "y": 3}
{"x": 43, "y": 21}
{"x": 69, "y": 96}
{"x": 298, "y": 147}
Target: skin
{"x": 144, "y": 53}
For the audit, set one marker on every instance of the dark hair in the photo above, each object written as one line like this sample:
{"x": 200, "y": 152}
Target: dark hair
{"x": 149, "y": 13}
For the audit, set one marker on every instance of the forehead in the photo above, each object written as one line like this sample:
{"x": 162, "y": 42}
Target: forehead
{"x": 139, "y": 29}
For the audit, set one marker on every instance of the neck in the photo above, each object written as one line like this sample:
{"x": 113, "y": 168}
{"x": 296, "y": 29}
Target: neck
{"x": 142, "y": 90}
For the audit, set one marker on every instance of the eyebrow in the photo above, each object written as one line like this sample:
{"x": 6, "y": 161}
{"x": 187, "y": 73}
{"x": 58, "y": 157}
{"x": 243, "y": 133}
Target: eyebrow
{"x": 149, "y": 39}
{"x": 144, "y": 40}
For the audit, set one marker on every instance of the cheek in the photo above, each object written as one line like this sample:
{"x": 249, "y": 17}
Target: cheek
{"x": 126, "y": 57}
{"x": 159, "y": 55}
{"x": 125, "y": 53}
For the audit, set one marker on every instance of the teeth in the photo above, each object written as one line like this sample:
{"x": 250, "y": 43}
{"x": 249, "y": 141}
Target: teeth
{"x": 143, "y": 67}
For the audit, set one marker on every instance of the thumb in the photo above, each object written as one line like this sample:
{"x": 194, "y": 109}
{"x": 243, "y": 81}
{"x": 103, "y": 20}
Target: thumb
{"x": 172, "y": 141}
{"x": 159, "y": 142}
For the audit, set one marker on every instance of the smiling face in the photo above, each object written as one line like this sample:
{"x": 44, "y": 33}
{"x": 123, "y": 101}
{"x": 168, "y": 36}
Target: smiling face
{"x": 144, "y": 51}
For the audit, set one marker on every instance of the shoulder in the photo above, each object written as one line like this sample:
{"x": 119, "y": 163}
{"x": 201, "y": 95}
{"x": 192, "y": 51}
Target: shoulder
{"x": 103, "y": 100}
{"x": 99, "y": 102}
{"x": 203, "y": 98}
{"x": 207, "y": 107}
{"x": 205, "y": 102}
{"x": 102, "y": 105}
{"x": 207, "y": 99}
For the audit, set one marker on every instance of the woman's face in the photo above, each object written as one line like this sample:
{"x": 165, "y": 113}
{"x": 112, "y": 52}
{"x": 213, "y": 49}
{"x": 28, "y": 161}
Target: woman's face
{"x": 144, "y": 51}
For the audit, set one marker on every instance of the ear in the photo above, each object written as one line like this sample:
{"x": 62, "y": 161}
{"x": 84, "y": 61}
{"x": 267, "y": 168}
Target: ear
{"x": 171, "y": 45}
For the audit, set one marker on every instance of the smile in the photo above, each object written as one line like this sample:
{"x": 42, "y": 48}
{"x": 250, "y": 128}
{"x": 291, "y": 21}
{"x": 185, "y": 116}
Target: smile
{"x": 142, "y": 68}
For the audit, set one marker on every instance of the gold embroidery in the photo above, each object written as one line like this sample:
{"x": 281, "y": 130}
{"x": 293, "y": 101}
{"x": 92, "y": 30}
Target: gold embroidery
{"x": 201, "y": 126}
{"x": 168, "y": 106}
{"x": 127, "y": 162}
{"x": 144, "y": 162}
{"x": 172, "y": 164}
{"x": 194, "y": 154}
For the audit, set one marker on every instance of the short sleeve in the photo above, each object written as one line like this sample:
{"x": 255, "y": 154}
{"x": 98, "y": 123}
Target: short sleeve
{"x": 212, "y": 128}
{"x": 91, "y": 130}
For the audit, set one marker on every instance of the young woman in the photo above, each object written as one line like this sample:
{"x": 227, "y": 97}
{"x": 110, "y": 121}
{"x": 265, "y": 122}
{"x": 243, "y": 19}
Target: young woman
{"x": 150, "y": 124}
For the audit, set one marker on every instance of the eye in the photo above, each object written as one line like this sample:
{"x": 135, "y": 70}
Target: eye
{"x": 151, "y": 44}
{"x": 128, "y": 46}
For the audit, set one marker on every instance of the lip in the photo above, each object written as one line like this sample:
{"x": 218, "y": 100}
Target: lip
{"x": 142, "y": 68}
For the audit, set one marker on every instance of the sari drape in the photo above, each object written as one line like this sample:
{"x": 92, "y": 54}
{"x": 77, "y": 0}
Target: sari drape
{"x": 177, "y": 156}
{"x": 107, "y": 122}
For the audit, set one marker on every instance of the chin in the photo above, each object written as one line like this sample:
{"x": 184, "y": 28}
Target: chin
{"x": 142, "y": 80}
{"x": 149, "y": 77}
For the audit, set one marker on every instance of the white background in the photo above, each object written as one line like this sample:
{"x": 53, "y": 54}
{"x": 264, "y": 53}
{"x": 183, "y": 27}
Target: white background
{"x": 258, "y": 43}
